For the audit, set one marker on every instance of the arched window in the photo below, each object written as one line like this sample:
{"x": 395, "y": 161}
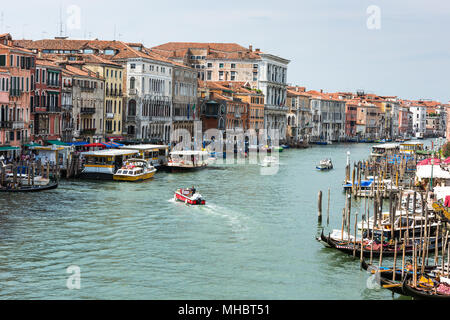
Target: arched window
{"x": 132, "y": 108}
{"x": 132, "y": 82}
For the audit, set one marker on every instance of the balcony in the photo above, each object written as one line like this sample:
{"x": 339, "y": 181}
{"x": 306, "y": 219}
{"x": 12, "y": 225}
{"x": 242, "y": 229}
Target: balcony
{"x": 87, "y": 111}
{"x": 67, "y": 107}
{"x": 15, "y": 92}
{"x": 18, "y": 125}
{"x": 114, "y": 93}
{"x": 87, "y": 89}
{"x": 53, "y": 84}
{"x": 132, "y": 92}
{"x": 88, "y": 132}
{"x": 5, "y": 124}
{"x": 45, "y": 109}
{"x": 110, "y": 116}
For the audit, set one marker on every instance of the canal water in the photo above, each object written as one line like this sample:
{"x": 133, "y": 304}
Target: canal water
{"x": 255, "y": 238}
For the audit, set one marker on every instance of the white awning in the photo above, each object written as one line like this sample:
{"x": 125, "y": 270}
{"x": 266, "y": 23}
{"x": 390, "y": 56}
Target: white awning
{"x": 424, "y": 172}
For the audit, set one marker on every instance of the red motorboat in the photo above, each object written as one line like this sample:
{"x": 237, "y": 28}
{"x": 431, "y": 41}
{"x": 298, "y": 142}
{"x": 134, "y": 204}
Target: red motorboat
{"x": 189, "y": 196}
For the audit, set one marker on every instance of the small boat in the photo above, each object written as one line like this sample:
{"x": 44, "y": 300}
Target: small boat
{"x": 369, "y": 248}
{"x": 427, "y": 289}
{"x": 189, "y": 197}
{"x": 35, "y": 188}
{"x": 135, "y": 170}
{"x": 386, "y": 276}
{"x": 188, "y": 160}
{"x": 325, "y": 165}
{"x": 269, "y": 162}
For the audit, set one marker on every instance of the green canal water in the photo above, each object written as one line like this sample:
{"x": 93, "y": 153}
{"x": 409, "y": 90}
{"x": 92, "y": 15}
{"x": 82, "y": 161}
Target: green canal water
{"x": 255, "y": 238}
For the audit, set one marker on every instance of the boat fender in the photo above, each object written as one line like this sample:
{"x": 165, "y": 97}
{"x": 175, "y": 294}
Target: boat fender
{"x": 185, "y": 201}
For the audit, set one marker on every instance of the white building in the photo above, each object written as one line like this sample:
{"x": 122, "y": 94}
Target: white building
{"x": 149, "y": 95}
{"x": 419, "y": 118}
{"x": 272, "y": 81}
{"x": 328, "y": 118}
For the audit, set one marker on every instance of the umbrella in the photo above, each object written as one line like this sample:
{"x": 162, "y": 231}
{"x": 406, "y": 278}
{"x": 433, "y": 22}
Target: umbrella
{"x": 428, "y": 162}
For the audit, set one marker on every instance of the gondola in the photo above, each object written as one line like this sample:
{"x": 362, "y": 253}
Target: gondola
{"x": 388, "y": 251}
{"x": 50, "y": 186}
{"x": 416, "y": 293}
{"x": 386, "y": 281}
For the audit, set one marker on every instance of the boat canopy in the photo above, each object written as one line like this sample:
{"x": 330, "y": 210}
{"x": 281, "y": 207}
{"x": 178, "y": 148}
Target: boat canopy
{"x": 364, "y": 183}
{"x": 110, "y": 153}
{"x": 141, "y": 147}
{"x": 188, "y": 153}
{"x": 386, "y": 146}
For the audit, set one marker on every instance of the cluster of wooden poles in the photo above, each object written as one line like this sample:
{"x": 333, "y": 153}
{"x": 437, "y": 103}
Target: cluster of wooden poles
{"x": 31, "y": 170}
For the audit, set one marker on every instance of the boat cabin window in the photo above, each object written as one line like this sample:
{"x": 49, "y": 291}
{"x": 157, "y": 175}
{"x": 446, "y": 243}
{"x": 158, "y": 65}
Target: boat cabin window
{"x": 98, "y": 160}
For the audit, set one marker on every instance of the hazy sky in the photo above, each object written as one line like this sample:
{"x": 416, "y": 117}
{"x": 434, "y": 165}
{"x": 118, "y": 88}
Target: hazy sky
{"x": 327, "y": 41}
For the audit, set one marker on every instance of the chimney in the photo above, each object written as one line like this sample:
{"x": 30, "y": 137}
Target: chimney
{"x": 257, "y": 50}
{"x": 321, "y": 91}
{"x": 250, "y": 48}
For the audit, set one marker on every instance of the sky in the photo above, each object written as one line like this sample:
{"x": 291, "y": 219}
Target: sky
{"x": 400, "y": 48}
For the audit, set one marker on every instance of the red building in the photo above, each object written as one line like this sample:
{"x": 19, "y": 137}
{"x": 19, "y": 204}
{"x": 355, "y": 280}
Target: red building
{"x": 17, "y": 83}
{"x": 46, "y": 114}
{"x": 351, "y": 107}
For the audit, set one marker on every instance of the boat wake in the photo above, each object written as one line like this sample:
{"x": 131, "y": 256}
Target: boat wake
{"x": 234, "y": 218}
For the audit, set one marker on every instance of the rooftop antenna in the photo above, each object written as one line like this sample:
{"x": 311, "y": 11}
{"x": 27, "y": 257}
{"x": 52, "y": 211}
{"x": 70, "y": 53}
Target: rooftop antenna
{"x": 61, "y": 32}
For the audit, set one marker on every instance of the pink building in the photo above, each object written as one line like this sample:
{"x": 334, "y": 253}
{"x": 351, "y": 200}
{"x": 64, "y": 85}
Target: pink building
{"x": 447, "y": 132}
{"x": 5, "y": 124}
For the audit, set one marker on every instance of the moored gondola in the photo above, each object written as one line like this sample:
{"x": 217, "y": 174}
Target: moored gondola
{"x": 50, "y": 186}
{"x": 423, "y": 294}
{"x": 388, "y": 250}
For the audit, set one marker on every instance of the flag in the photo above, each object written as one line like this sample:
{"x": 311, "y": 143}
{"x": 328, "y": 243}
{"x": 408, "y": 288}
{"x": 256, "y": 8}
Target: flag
{"x": 188, "y": 111}
{"x": 193, "y": 111}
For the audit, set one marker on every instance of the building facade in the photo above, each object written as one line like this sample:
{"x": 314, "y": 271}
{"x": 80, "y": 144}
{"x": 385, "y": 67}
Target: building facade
{"x": 18, "y": 68}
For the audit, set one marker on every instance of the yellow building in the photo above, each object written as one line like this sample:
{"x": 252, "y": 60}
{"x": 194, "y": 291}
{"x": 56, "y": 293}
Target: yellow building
{"x": 113, "y": 74}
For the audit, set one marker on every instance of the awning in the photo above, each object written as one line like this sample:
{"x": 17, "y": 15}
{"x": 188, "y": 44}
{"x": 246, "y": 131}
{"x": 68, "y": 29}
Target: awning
{"x": 56, "y": 142}
{"x": 77, "y": 143}
{"x": 33, "y": 144}
{"x": 424, "y": 172}
{"x": 9, "y": 148}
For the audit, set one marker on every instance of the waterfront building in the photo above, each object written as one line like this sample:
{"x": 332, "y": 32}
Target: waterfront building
{"x": 419, "y": 118}
{"x": 232, "y": 62}
{"x": 67, "y": 120}
{"x": 299, "y": 115}
{"x": 390, "y": 107}
{"x": 147, "y": 81}
{"x": 113, "y": 74}
{"x": 405, "y": 116}
{"x": 219, "y": 109}
{"x": 351, "y": 108}
{"x": 18, "y": 68}
{"x": 328, "y": 117}
{"x": 87, "y": 103}
{"x": 46, "y": 114}
{"x": 5, "y": 124}
{"x": 255, "y": 102}
{"x": 184, "y": 98}
{"x": 368, "y": 121}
